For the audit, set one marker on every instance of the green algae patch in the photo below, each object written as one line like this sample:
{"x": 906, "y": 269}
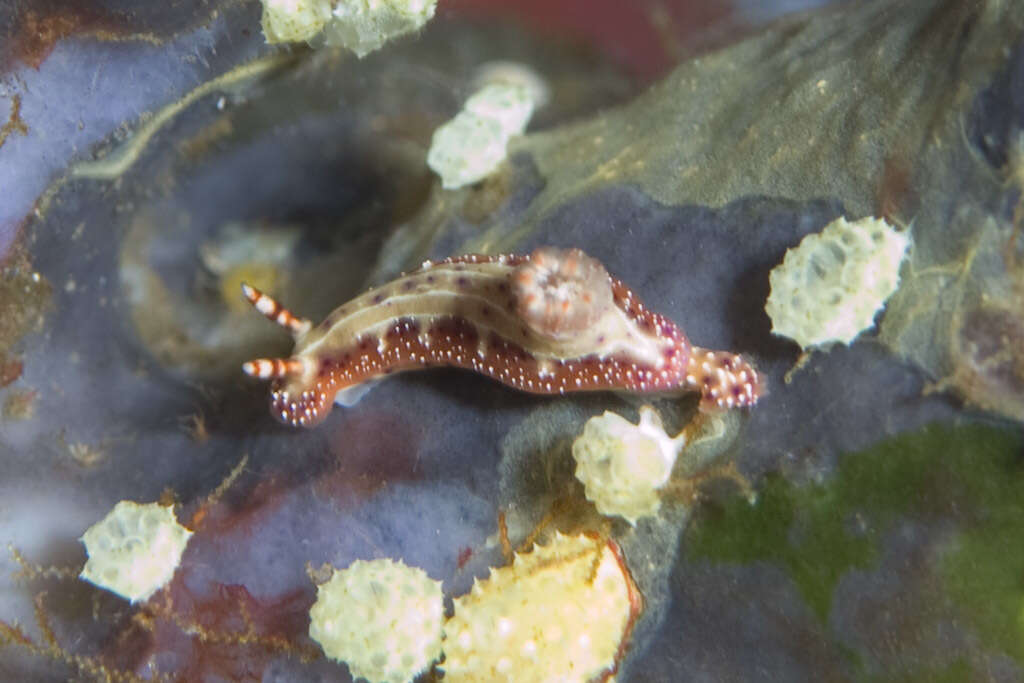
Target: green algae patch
{"x": 796, "y": 528}
{"x": 957, "y": 671}
{"x": 970, "y": 475}
{"x": 984, "y": 572}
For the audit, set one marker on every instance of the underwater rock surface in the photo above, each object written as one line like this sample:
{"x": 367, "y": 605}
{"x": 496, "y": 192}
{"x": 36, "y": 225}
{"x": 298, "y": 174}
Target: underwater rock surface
{"x": 882, "y": 541}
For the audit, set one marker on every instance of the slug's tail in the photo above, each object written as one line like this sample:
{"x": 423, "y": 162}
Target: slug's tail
{"x": 724, "y": 379}
{"x": 273, "y": 310}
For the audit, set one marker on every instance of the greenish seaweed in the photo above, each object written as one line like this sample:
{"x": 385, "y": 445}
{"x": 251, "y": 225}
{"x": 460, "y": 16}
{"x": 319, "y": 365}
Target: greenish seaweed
{"x": 957, "y": 671}
{"x": 971, "y": 474}
{"x": 797, "y": 528}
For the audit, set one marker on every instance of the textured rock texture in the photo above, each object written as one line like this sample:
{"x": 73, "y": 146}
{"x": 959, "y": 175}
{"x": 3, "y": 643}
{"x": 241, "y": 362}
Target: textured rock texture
{"x": 880, "y": 545}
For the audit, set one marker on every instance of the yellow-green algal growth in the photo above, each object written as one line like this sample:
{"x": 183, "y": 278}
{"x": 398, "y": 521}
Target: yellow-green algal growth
{"x": 134, "y": 550}
{"x": 562, "y": 612}
{"x": 471, "y": 146}
{"x": 381, "y": 618}
{"x": 294, "y": 21}
{"x": 830, "y": 287}
{"x": 622, "y": 465}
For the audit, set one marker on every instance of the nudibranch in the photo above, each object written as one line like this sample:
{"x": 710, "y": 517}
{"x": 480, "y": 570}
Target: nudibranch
{"x": 549, "y": 323}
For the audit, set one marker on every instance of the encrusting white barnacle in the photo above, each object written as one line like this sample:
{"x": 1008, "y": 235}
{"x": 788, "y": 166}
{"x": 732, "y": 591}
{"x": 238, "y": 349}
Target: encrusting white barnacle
{"x": 830, "y": 287}
{"x": 134, "y": 550}
{"x": 361, "y": 26}
{"x": 513, "y": 73}
{"x": 623, "y": 465}
{"x": 382, "y": 618}
{"x": 366, "y": 25}
{"x": 561, "y": 612}
{"x": 293, "y": 21}
{"x": 472, "y": 145}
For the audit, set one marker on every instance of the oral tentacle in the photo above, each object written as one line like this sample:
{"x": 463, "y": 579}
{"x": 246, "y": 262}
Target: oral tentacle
{"x": 275, "y": 312}
{"x": 273, "y": 368}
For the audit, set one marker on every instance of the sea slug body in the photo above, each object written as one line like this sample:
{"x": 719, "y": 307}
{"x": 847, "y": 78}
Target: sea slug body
{"x": 552, "y": 322}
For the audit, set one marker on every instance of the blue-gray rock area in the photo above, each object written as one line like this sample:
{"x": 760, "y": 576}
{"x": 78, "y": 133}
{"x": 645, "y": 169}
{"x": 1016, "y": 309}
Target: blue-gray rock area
{"x": 690, "y": 192}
